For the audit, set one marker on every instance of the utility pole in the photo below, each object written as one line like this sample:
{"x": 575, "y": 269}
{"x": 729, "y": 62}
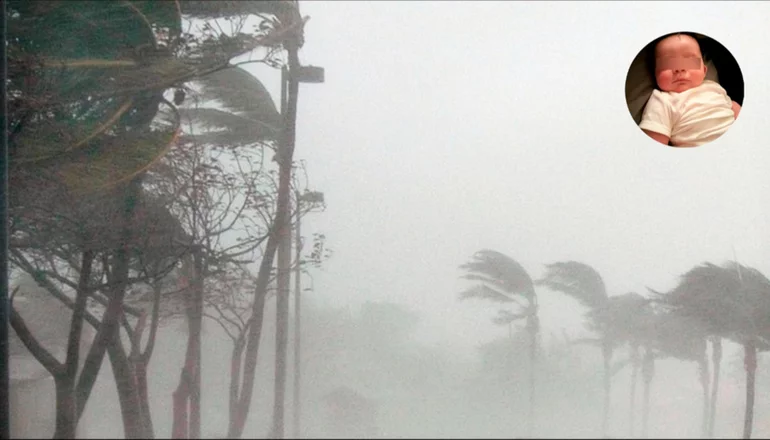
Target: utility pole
{"x": 310, "y": 198}
{"x": 289, "y": 89}
{"x": 290, "y": 79}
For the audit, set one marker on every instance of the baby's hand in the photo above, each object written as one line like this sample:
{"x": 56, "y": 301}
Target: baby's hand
{"x": 736, "y": 109}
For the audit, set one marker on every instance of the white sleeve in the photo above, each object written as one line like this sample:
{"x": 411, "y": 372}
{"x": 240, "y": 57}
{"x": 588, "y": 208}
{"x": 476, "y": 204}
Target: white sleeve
{"x": 658, "y": 115}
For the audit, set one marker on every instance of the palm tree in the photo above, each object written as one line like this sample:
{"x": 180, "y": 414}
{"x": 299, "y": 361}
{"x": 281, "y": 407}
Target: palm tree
{"x": 627, "y": 319}
{"x": 503, "y": 280}
{"x": 606, "y": 317}
{"x": 683, "y": 338}
{"x": 730, "y": 301}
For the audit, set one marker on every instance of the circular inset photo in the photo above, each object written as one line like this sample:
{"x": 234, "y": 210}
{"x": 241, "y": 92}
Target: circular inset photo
{"x": 684, "y": 89}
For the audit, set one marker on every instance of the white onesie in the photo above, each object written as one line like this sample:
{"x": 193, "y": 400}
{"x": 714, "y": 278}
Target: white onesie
{"x": 690, "y": 118}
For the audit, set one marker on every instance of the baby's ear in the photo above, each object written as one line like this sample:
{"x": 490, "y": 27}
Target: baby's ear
{"x": 705, "y": 68}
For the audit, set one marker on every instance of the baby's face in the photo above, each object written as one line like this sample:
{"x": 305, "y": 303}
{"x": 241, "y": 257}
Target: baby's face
{"x": 679, "y": 64}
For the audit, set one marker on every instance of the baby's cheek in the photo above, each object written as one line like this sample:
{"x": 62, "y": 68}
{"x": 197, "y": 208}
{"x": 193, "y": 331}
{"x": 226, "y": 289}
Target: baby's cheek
{"x": 664, "y": 79}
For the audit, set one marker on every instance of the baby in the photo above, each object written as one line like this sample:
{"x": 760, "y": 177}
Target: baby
{"x": 688, "y": 110}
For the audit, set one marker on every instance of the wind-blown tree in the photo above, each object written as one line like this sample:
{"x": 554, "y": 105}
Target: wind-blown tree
{"x": 682, "y": 338}
{"x": 87, "y": 81}
{"x": 627, "y": 319}
{"x": 49, "y": 320}
{"x": 730, "y": 301}
{"x": 223, "y": 199}
{"x": 248, "y": 121}
{"x": 613, "y": 319}
{"x": 503, "y": 280}
{"x": 55, "y": 252}
{"x": 232, "y": 124}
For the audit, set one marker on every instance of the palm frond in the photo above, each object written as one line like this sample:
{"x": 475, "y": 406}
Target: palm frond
{"x": 731, "y": 300}
{"x": 482, "y": 291}
{"x": 577, "y": 280}
{"x": 509, "y": 275}
{"x": 623, "y": 317}
{"x": 240, "y": 92}
{"x": 211, "y": 118}
{"x": 505, "y": 317}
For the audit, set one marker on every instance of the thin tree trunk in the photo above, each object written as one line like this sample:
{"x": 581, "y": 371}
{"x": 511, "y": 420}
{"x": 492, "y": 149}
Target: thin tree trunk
{"x": 607, "y": 385}
{"x": 181, "y": 399}
{"x": 140, "y": 375}
{"x": 66, "y": 399}
{"x": 716, "y": 356}
{"x": 130, "y": 410}
{"x": 533, "y": 326}
{"x": 66, "y": 408}
{"x": 703, "y": 370}
{"x": 634, "y": 380}
{"x": 142, "y": 362}
{"x": 238, "y": 421}
{"x": 750, "y": 362}
{"x": 186, "y": 422}
{"x": 110, "y": 319}
{"x": 196, "y": 324}
{"x": 235, "y": 380}
{"x": 648, "y": 372}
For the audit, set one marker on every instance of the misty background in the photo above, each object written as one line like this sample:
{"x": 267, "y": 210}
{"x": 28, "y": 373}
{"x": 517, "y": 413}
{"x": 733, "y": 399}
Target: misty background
{"x": 444, "y": 128}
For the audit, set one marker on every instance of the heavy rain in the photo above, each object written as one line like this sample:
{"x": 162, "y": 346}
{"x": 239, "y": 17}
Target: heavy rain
{"x": 353, "y": 219}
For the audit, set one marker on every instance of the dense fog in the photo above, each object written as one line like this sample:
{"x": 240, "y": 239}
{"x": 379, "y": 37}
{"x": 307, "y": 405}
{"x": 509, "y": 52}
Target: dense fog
{"x": 457, "y": 145}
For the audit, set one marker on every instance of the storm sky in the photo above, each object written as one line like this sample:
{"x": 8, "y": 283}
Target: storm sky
{"x": 448, "y": 127}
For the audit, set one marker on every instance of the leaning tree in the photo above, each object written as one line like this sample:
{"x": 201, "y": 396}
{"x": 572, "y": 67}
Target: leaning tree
{"x": 615, "y": 320}
{"x": 730, "y": 301}
{"x": 502, "y": 279}
{"x": 86, "y": 82}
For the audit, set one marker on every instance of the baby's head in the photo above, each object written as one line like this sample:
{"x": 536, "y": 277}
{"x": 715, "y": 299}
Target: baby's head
{"x": 679, "y": 63}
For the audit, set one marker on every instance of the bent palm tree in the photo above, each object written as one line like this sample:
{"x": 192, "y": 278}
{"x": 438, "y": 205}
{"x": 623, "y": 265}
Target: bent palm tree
{"x": 503, "y": 280}
{"x": 627, "y": 319}
{"x": 731, "y": 301}
{"x": 683, "y": 338}
{"x": 583, "y": 283}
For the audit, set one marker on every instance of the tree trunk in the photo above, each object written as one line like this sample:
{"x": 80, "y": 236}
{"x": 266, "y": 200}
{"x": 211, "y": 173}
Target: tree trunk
{"x": 750, "y": 362}
{"x": 66, "y": 408}
{"x": 110, "y": 319}
{"x": 241, "y": 412}
{"x": 181, "y": 399}
{"x": 140, "y": 375}
{"x": 634, "y": 379}
{"x": 285, "y": 155}
{"x": 187, "y": 422}
{"x": 194, "y": 360}
{"x": 703, "y": 370}
{"x": 127, "y": 396}
{"x": 648, "y": 372}
{"x": 533, "y": 326}
{"x": 235, "y": 380}
{"x": 143, "y": 362}
{"x": 607, "y": 359}
{"x": 716, "y": 356}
